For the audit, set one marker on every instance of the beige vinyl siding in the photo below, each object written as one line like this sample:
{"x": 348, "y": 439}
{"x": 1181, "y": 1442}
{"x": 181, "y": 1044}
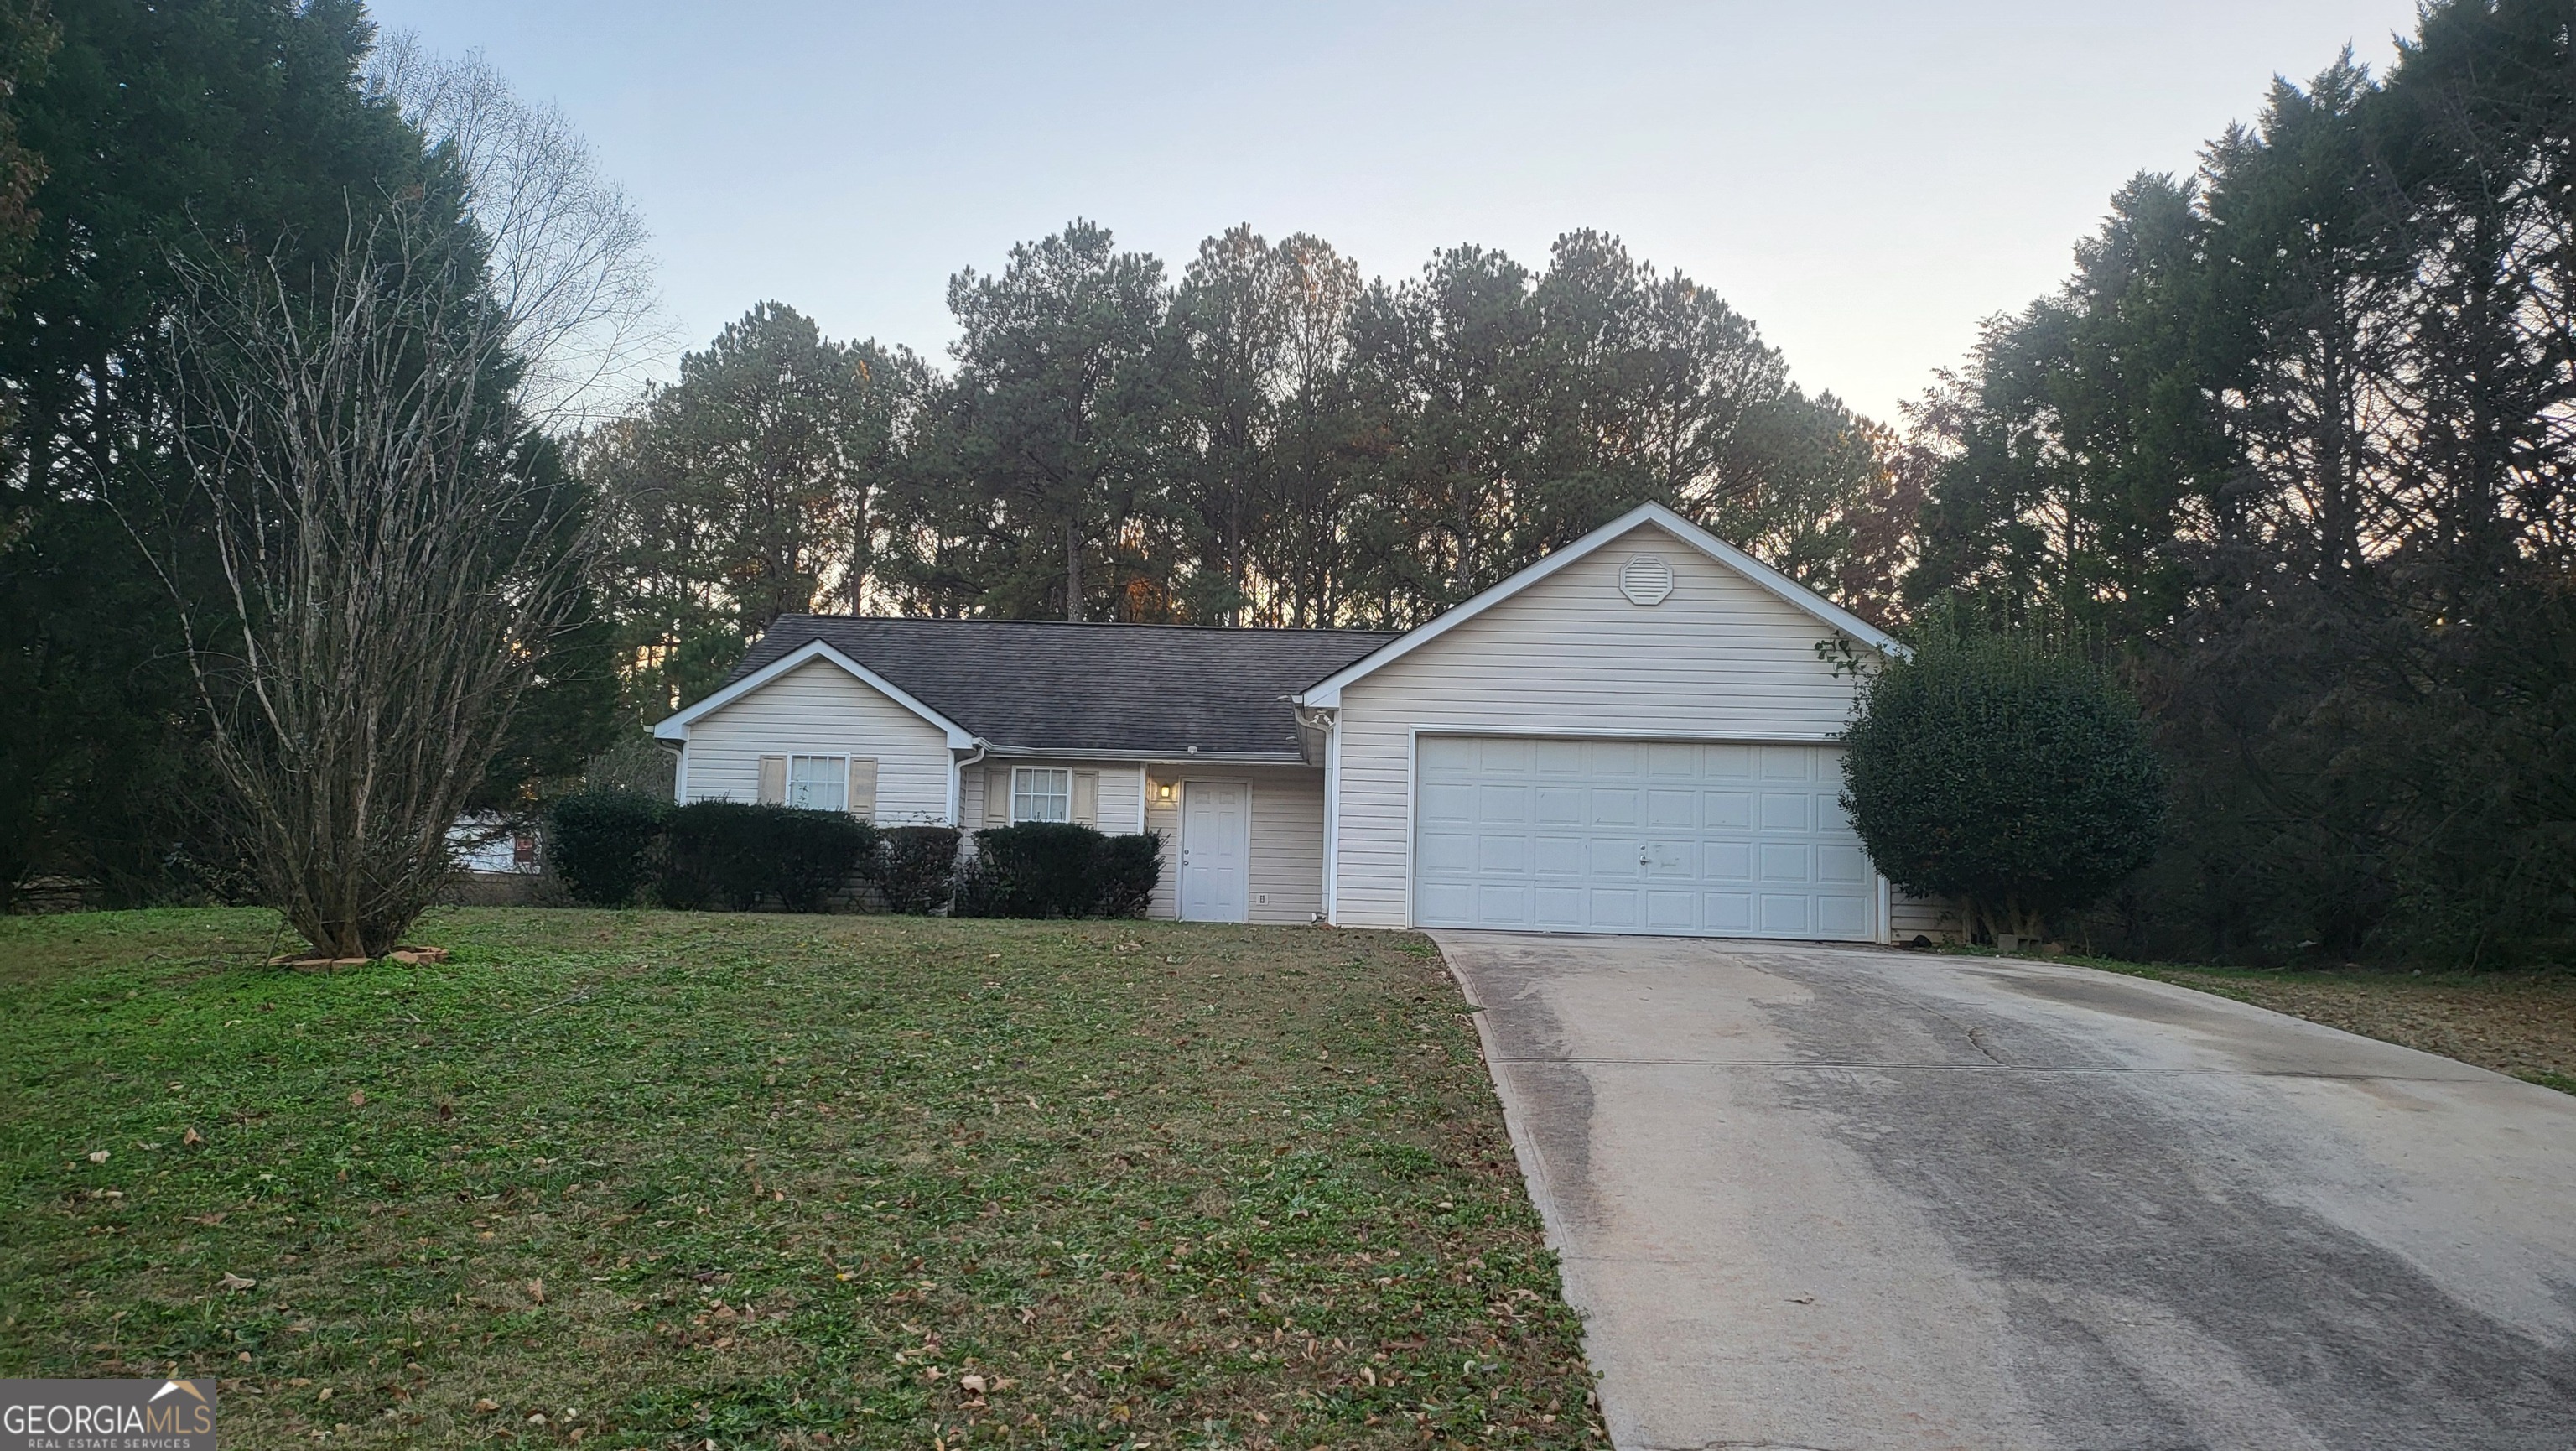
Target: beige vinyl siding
{"x": 1720, "y": 658}
{"x": 984, "y": 796}
{"x": 1287, "y": 828}
{"x": 819, "y": 709}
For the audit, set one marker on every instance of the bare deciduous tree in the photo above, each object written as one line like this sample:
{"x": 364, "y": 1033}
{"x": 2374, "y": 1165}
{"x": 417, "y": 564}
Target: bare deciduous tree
{"x": 393, "y": 560}
{"x": 569, "y": 258}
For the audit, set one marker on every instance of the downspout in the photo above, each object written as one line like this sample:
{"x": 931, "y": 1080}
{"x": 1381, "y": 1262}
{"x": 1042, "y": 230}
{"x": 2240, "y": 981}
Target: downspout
{"x": 957, "y": 781}
{"x": 1329, "y": 722}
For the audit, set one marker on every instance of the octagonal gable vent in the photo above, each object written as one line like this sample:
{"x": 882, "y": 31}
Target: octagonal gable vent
{"x": 1645, "y": 580}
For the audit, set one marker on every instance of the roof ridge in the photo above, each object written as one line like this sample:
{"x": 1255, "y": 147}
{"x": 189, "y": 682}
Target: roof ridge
{"x": 1093, "y": 624}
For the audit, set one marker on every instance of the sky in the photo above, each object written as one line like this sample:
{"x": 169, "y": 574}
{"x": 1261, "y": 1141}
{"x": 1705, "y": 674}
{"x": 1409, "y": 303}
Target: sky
{"x": 1866, "y": 181}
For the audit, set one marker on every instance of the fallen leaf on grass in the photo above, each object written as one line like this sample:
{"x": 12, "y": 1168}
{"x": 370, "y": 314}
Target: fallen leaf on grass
{"x": 232, "y": 1281}
{"x": 358, "y": 1098}
{"x": 192, "y": 1138}
{"x": 486, "y": 1406}
{"x": 98, "y": 1156}
{"x": 537, "y": 1291}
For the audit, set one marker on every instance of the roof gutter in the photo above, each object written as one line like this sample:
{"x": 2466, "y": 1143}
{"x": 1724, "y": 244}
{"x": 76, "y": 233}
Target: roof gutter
{"x": 1173, "y": 758}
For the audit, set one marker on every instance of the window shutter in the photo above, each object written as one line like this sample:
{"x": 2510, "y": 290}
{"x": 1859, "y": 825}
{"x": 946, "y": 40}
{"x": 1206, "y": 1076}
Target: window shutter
{"x": 997, "y": 796}
{"x": 1086, "y": 798}
{"x": 773, "y": 780}
{"x": 862, "y": 801}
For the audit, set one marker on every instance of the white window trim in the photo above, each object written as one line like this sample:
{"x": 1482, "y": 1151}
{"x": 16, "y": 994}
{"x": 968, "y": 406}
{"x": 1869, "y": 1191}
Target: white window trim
{"x": 1062, "y": 773}
{"x": 840, "y": 772}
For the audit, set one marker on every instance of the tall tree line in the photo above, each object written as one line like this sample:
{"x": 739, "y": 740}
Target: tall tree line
{"x": 2293, "y": 444}
{"x": 1264, "y": 440}
{"x": 144, "y": 150}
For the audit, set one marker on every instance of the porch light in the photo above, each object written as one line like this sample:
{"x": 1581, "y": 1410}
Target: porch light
{"x": 1162, "y": 790}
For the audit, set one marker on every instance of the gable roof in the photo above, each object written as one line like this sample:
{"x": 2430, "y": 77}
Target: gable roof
{"x": 1328, "y": 691}
{"x": 1068, "y": 689}
{"x": 747, "y": 677}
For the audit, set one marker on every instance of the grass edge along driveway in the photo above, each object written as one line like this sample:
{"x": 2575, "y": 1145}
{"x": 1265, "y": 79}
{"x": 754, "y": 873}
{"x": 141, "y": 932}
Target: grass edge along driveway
{"x": 2518, "y": 1023}
{"x": 655, "y": 1179}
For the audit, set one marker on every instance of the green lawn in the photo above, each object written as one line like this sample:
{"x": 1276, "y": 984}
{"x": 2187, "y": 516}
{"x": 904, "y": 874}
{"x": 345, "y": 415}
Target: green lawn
{"x": 2521, "y": 1023}
{"x": 651, "y": 1179}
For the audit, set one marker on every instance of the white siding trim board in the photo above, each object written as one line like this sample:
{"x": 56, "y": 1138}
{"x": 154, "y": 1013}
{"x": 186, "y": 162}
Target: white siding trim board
{"x": 1330, "y": 908}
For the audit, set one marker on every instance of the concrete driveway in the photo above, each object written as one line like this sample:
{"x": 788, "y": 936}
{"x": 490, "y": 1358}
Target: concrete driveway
{"x": 1848, "y": 1198}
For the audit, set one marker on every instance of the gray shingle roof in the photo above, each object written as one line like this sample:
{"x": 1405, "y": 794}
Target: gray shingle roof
{"x": 1125, "y": 689}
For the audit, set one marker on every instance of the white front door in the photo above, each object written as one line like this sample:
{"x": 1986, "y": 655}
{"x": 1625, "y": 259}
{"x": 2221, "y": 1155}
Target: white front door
{"x": 1690, "y": 839}
{"x": 1216, "y": 847}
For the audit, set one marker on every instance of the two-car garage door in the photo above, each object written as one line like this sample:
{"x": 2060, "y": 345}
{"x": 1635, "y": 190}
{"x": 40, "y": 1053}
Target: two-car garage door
{"x": 1683, "y": 838}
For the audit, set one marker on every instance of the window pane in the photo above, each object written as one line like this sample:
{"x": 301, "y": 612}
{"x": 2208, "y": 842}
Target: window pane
{"x": 1039, "y": 794}
{"x": 818, "y": 783}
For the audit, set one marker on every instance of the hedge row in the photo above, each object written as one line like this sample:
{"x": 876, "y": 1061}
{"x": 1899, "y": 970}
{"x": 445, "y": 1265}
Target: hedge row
{"x": 612, "y": 848}
{"x": 1058, "y": 869}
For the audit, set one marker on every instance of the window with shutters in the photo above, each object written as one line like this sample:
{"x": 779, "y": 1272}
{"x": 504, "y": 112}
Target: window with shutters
{"x": 1041, "y": 793}
{"x": 819, "y": 783}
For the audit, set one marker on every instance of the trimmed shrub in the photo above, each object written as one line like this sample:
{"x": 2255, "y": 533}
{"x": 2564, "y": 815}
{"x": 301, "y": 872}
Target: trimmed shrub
{"x": 1991, "y": 770}
{"x": 603, "y": 844}
{"x": 1058, "y": 869}
{"x": 1035, "y": 869}
{"x": 1129, "y": 868}
{"x": 727, "y": 854}
{"x": 915, "y": 867}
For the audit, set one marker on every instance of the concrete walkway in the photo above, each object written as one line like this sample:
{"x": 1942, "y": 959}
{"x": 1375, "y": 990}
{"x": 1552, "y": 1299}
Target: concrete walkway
{"x": 1847, "y": 1199}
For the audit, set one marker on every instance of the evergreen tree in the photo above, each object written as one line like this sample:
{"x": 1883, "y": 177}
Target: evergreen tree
{"x": 152, "y": 131}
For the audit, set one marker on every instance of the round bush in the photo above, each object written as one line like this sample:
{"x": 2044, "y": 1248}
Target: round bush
{"x": 2019, "y": 780}
{"x": 1129, "y": 867}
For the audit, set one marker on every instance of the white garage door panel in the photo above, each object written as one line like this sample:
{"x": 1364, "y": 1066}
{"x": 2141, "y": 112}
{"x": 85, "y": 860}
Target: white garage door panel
{"x": 1637, "y": 836}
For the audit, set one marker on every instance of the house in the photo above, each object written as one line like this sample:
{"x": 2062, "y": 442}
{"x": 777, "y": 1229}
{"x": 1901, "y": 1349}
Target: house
{"x": 1635, "y": 734}
{"x": 488, "y": 844}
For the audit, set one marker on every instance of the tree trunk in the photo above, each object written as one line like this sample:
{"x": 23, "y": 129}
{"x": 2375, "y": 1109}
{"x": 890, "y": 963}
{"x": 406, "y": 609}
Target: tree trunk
{"x": 1072, "y": 572}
